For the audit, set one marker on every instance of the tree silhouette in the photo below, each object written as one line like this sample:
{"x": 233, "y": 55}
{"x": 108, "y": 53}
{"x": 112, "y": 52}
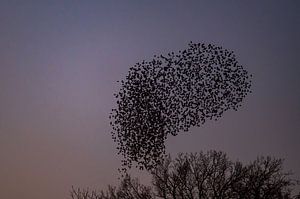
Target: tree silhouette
{"x": 201, "y": 175}
{"x": 213, "y": 175}
{"x": 128, "y": 189}
{"x": 172, "y": 93}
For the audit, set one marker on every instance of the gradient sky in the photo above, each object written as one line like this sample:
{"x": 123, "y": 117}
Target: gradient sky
{"x": 60, "y": 60}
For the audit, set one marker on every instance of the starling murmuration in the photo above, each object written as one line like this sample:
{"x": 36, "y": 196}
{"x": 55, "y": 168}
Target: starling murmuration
{"x": 171, "y": 93}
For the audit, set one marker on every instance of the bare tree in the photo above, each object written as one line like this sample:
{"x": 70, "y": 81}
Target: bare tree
{"x": 213, "y": 175}
{"x": 201, "y": 175}
{"x": 129, "y": 189}
{"x": 198, "y": 175}
{"x": 266, "y": 179}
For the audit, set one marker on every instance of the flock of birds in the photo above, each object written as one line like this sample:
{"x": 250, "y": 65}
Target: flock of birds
{"x": 170, "y": 94}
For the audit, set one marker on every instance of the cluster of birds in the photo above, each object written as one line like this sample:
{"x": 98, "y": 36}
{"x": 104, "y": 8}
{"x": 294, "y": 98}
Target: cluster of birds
{"x": 170, "y": 94}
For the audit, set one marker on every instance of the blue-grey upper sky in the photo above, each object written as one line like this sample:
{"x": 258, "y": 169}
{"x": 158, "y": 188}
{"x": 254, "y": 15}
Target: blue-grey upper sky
{"x": 59, "y": 66}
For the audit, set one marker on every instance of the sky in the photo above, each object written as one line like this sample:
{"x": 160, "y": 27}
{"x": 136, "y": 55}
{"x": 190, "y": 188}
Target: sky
{"x": 59, "y": 66}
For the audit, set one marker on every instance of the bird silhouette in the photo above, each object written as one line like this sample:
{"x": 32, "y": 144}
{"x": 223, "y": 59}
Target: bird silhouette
{"x": 170, "y": 94}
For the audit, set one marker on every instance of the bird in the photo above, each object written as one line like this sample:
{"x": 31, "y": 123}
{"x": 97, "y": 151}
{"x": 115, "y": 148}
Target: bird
{"x": 170, "y": 94}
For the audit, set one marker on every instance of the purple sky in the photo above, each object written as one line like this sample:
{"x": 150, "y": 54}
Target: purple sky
{"x": 59, "y": 63}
